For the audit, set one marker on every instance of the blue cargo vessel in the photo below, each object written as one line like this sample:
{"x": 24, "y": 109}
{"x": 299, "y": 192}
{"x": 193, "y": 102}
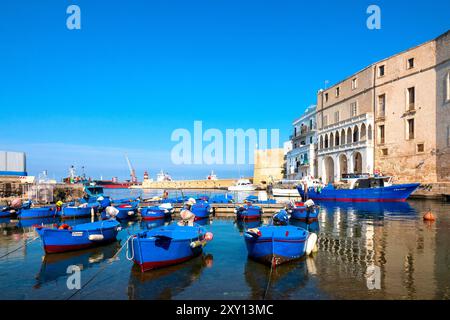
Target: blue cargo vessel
{"x": 361, "y": 189}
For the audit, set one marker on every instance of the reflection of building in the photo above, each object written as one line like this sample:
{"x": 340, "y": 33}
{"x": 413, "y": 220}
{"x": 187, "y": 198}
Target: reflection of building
{"x": 388, "y": 256}
{"x": 300, "y": 161}
{"x": 392, "y": 116}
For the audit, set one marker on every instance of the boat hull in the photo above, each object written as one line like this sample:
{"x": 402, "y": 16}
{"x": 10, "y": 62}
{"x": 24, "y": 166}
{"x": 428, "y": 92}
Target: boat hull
{"x": 276, "y": 244}
{"x": 278, "y": 192}
{"x": 165, "y": 246}
{"x": 300, "y": 213}
{"x": 80, "y": 237}
{"x": 249, "y": 213}
{"x": 395, "y": 193}
{"x": 154, "y": 213}
{"x": 35, "y": 213}
{"x": 75, "y": 212}
{"x": 201, "y": 211}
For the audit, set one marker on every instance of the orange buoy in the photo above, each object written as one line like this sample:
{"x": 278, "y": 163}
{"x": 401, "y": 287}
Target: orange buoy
{"x": 429, "y": 216}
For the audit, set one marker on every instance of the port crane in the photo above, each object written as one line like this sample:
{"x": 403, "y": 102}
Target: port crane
{"x": 132, "y": 171}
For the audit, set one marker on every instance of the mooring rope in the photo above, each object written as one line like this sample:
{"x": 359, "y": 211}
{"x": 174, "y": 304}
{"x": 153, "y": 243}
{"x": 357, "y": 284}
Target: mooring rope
{"x": 271, "y": 269}
{"x": 20, "y": 247}
{"x": 100, "y": 270}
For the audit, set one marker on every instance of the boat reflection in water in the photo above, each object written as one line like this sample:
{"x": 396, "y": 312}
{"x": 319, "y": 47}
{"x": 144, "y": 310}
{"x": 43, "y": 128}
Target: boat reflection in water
{"x": 401, "y": 210}
{"x": 54, "y": 266}
{"x": 285, "y": 280}
{"x": 242, "y": 225}
{"x": 150, "y": 224}
{"x": 166, "y": 283}
{"x": 311, "y": 226}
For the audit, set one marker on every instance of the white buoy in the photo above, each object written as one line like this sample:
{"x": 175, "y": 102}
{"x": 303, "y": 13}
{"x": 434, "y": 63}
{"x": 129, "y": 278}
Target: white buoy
{"x": 310, "y": 243}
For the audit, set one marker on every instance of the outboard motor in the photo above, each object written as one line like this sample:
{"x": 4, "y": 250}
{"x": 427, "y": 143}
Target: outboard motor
{"x": 111, "y": 212}
{"x": 310, "y": 207}
{"x": 281, "y": 218}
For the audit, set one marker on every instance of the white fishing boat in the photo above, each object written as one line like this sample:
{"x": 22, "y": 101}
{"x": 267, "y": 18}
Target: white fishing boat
{"x": 162, "y": 176}
{"x": 242, "y": 185}
{"x": 285, "y": 192}
{"x": 285, "y": 188}
{"x": 211, "y": 176}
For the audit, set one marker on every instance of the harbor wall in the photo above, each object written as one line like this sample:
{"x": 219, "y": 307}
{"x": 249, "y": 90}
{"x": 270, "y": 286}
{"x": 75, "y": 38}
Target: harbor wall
{"x": 188, "y": 184}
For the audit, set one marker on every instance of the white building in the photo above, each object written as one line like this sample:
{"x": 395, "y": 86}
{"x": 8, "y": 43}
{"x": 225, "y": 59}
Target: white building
{"x": 346, "y": 147}
{"x": 301, "y": 160}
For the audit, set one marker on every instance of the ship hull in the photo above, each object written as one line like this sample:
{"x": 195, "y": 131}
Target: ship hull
{"x": 395, "y": 193}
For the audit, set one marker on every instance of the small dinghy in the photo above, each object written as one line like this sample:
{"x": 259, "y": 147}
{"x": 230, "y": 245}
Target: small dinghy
{"x": 124, "y": 211}
{"x": 81, "y": 236}
{"x": 34, "y": 213}
{"x": 275, "y": 245}
{"x": 202, "y": 210}
{"x": 76, "y": 212}
{"x": 162, "y": 211}
{"x": 303, "y": 211}
{"x": 248, "y": 212}
{"x": 165, "y": 246}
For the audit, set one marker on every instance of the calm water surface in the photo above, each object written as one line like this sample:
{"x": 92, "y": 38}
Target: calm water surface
{"x": 366, "y": 251}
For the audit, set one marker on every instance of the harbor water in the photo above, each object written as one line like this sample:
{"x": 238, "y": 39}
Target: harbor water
{"x": 365, "y": 251}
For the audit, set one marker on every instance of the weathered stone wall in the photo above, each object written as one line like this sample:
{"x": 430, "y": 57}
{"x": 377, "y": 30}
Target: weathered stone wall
{"x": 269, "y": 165}
{"x": 443, "y": 108}
{"x": 404, "y": 160}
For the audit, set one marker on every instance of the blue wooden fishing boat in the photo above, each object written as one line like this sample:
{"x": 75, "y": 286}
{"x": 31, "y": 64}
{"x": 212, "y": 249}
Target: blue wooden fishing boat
{"x": 255, "y": 199}
{"x": 300, "y": 212}
{"x": 275, "y": 245}
{"x": 221, "y": 198}
{"x": 81, "y": 236}
{"x": 125, "y": 211}
{"x": 156, "y": 212}
{"x": 36, "y": 213}
{"x": 201, "y": 210}
{"x": 361, "y": 189}
{"x": 248, "y": 212}
{"x": 168, "y": 245}
{"x": 75, "y": 212}
{"x": 93, "y": 192}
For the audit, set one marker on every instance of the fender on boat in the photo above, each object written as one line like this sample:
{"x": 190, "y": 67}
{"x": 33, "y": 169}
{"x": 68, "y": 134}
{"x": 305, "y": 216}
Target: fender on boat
{"x": 310, "y": 243}
{"x": 96, "y": 237}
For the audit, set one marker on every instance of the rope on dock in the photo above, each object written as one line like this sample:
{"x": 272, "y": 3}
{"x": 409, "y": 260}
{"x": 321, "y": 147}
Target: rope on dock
{"x": 20, "y": 247}
{"x": 108, "y": 262}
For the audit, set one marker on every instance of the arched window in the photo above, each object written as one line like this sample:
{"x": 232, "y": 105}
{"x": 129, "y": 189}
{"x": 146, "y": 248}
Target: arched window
{"x": 331, "y": 140}
{"x": 343, "y": 136}
{"x": 321, "y": 142}
{"x": 336, "y": 143}
{"x": 326, "y": 141}
{"x": 355, "y": 134}
{"x": 363, "y": 132}
{"x": 349, "y": 136}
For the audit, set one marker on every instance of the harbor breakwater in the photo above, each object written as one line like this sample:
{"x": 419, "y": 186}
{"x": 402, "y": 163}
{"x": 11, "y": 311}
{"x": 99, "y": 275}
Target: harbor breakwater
{"x": 188, "y": 184}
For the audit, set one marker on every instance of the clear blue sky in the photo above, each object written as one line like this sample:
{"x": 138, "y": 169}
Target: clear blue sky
{"x": 137, "y": 70}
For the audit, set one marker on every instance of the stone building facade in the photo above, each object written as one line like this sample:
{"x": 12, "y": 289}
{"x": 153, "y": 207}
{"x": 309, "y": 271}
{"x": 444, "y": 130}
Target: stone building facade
{"x": 392, "y": 117}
